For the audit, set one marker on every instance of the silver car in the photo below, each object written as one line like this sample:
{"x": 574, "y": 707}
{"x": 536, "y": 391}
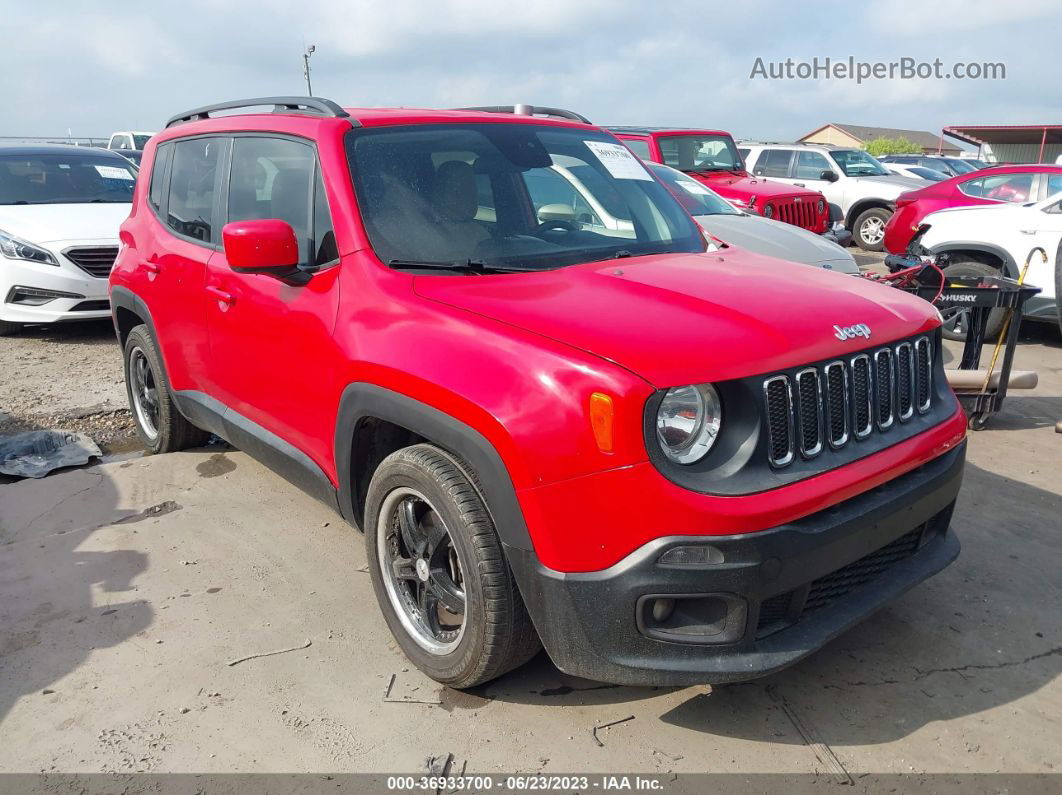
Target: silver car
{"x": 755, "y": 233}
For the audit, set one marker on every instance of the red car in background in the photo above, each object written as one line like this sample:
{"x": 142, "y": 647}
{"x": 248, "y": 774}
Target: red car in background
{"x": 1027, "y": 183}
{"x": 712, "y": 158}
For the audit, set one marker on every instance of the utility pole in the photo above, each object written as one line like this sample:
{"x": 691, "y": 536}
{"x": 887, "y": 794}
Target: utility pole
{"x": 306, "y": 68}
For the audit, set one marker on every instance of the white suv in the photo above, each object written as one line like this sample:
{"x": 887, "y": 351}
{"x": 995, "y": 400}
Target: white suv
{"x": 861, "y": 191}
{"x": 60, "y": 209}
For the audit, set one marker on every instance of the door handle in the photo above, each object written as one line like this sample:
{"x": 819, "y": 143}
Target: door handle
{"x": 151, "y": 267}
{"x": 226, "y": 298}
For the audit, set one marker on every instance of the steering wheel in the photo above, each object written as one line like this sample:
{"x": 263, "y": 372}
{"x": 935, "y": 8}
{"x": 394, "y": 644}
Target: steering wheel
{"x": 557, "y": 223}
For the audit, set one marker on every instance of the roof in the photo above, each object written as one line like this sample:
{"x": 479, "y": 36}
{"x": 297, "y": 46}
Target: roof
{"x": 55, "y": 149}
{"x": 664, "y": 130}
{"x": 1006, "y": 134}
{"x": 926, "y": 140}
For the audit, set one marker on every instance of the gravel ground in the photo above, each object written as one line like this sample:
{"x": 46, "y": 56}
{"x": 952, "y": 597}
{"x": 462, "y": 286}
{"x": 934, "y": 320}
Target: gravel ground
{"x": 66, "y": 377}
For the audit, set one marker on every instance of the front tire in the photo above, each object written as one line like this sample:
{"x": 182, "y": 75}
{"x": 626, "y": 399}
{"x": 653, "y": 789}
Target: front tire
{"x": 439, "y": 572}
{"x": 160, "y": 426}
{"x": 869, "y": 228}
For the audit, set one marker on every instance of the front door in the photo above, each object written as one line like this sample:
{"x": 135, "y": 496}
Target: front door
{"x": 272, "y": 353}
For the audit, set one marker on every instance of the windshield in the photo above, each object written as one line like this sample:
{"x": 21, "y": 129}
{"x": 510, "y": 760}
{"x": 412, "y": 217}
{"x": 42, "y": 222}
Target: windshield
{"x": 927, "y": 173}
{"x": 140, "y": 141}
{"x": 960, "y": 166}
{"x": 855, "y": 163}
{"x": 700, "y": 152}
{"x": 695, "y": 197}
{"x": 514, "y": 195}
{"x": 64, "y": 179}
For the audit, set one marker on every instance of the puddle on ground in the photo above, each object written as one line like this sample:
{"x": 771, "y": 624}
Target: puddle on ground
{"x": 217, "y": 464}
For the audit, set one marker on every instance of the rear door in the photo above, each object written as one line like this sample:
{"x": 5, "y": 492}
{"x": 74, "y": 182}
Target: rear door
{"x": 171, "y": 269}
{"x": 272, "y": 357}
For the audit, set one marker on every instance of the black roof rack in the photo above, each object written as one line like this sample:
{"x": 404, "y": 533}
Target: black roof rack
{"x": 314, "y": 106}
{"x": 532, "y": 110}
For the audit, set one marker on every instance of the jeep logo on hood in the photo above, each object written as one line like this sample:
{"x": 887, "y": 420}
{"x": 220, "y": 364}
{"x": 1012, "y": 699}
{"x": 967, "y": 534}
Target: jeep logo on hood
{"x": 848, "y": 332}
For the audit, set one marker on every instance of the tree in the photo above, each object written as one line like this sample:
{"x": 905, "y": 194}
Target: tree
{"x": 893, "y": 146}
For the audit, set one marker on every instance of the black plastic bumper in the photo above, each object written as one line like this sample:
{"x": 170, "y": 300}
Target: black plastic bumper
{"x": 783, "y": 592}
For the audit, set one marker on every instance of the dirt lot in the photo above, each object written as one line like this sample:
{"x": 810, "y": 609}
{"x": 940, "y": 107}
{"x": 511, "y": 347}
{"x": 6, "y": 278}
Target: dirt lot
{"x": 127, "y": 589}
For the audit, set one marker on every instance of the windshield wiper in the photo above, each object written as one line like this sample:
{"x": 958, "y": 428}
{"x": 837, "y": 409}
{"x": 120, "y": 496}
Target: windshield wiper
{"x": 468, "y": 266}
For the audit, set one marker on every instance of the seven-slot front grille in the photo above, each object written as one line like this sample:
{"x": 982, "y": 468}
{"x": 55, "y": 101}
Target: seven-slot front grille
{"x": 847, "y": 398}
{"x": 94, "y": 260}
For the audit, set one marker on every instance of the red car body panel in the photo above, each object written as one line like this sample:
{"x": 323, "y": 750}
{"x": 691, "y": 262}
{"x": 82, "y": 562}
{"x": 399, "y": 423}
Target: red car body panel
{"x": 913, "y": 206}
{"x": 741, "y": 187}
{"x": 515, "y": 357}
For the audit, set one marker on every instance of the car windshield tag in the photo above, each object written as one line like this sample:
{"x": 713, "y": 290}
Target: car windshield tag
{"x": 618, "y": 160}
{"x": 113, "y": 172}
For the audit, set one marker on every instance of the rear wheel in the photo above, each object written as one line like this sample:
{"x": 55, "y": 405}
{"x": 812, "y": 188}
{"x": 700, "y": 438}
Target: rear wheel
{"x": 161, "y": 427}
{"x": 439, "y": 572}
{"x": 869, "y": 231}
{"x": 956, "y": 319}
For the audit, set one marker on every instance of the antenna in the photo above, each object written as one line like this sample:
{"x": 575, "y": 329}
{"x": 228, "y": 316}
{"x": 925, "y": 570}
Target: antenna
{"x": 306, "y": 68}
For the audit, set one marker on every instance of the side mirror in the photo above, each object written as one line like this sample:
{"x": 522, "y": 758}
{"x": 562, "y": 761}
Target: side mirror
{"x": 829, "y": 175}
{"x": 268, "y": 247}
{"x": 556, "y": 212}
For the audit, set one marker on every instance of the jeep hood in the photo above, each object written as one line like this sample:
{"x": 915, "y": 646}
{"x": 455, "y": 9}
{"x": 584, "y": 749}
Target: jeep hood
{"x": 744, "y": 186}
{"x": 683, "y": 318}
{"x": 52, "y": 223}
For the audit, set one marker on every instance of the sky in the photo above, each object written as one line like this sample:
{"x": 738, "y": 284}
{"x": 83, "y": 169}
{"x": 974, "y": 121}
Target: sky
{"x": 88, "y": 69}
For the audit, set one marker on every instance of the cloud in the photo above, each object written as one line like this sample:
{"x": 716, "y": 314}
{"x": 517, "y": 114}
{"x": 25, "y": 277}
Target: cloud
{"x": 686, "y": 62}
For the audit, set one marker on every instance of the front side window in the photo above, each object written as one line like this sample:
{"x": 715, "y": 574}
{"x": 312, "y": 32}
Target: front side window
{"x": 810, "y": 165}
{"x": 700, "y": 152}
{"x": 1000, "y": 187}
{"x": 118, "y": 142}
{"x": 65, "y": 179}
{"x": 140, "y": 141}
{"x": 1054, "y": 184}
{"x": 638, "y": 146}
{"x": 421, "y": 191}
{"x": 272, "y": 178}
{"x": 193, "y": 187}
{"x": 856, "y": 163}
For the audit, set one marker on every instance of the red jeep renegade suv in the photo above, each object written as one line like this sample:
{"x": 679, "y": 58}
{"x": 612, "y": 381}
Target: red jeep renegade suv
{"x": 665, "y": 465}
{"x": 711, "y": 157}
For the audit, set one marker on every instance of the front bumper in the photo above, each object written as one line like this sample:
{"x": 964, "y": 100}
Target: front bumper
{"x": 838, "y": 234}
{"x": 782, "y": 593}
{"x": 84, "y": 297}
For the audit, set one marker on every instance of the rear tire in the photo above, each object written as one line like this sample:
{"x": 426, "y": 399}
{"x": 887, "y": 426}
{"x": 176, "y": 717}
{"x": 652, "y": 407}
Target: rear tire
{"x": 7, "y": 329}
{"x": 431, "y": 546}
{"x": 956, "y": 321}
{"x": 869, "y": 228}
{"x": 160, "y": 426}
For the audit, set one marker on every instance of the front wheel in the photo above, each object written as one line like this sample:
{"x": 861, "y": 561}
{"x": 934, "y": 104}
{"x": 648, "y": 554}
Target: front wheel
{"x": 869, "y": 229}
{"x": 439, "y": 572}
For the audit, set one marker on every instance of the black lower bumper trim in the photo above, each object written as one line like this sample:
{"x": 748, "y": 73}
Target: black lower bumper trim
{"x": 797, "y": 586}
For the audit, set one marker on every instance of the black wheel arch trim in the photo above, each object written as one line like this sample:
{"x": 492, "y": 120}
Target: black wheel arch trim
{"x": 124, "y": 298}
{"x": 1010, "y": 267}
{"x": 361, "y": 401}
{"x": 862, "y": 206}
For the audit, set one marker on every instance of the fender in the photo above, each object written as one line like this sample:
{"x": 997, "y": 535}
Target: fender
{"x": 362, "y": 400}
{"x": 124, "y": 298}
{"x": 866, "y": 204}
{"x": 1010, "y": 267}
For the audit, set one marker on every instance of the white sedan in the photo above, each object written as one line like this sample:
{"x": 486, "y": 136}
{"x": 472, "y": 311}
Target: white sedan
{"x": 986, "y": 240}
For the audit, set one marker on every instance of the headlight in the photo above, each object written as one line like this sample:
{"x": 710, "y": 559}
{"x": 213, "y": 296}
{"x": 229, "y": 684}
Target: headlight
{"x": 821, "y": 206}
{"x": 768, "y": 211}
{"x": 687, "y": 422}
{"x": 16, "y": 248}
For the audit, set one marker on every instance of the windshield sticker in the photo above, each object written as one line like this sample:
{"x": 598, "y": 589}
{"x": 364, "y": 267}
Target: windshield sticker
{"x": 113, "y": 172}
{"x": 618, "y": 160}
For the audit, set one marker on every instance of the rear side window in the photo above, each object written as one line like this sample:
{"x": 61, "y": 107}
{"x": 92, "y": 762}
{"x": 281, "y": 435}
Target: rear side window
{"x": 639, "y": 147}
{"x": 277, "y": 178}
{"x": 774, "y": 163}
{"x": 193, "y": 187}
{"x": 1000, "y": 187}
{"x": 158, "y": 175}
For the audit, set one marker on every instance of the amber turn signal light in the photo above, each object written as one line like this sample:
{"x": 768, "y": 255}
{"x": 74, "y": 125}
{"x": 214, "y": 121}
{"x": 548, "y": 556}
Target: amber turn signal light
{"x": 601, "y": 420}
